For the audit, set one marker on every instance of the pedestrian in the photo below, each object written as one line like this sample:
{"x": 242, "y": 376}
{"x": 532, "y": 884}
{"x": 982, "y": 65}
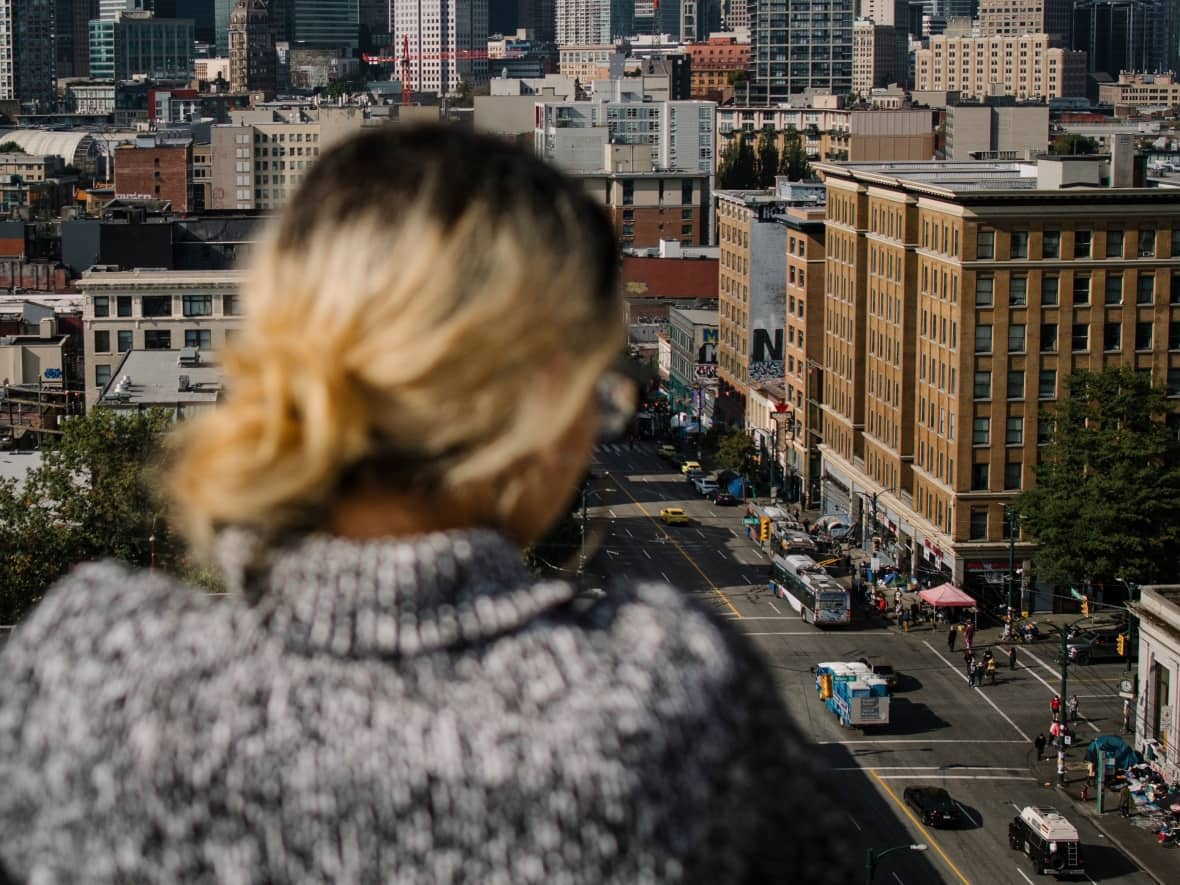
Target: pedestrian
{"x": 1055, "y": 733}
{"x": 972, "y": 670}
{"x": 951, "y": 635}
{"x": 1126, "y": 715}
{"x": 1012, "y": 657}
{"x": 991, "y": 670}
{"x": 1073, "y": 708}
{"x": 1055, "y": 706}
{"x": 1126, "y": 801}
{"x": 968, "y": 634}
{"x": 1039, "y": 742}
{"x": 905, "y": 620}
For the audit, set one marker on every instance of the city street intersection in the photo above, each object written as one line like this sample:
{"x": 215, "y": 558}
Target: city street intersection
{"x": 976, "y": 743}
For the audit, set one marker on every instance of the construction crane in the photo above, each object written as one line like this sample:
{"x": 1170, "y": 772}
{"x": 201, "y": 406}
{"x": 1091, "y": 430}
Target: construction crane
{"x": 405, "y": 61}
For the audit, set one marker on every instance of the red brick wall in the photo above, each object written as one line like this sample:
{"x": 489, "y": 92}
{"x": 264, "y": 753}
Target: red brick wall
{"x": 650, "y": 224}
{"x": 159, "y": 172}
{"x": 41, "y": 276}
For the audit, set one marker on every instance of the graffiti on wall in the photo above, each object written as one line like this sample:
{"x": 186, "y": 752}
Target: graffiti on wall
{"x": 766, "y": 356}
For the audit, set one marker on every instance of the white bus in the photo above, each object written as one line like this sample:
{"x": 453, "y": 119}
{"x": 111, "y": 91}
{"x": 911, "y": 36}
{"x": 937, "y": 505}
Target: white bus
{"x": 810, "y": 590}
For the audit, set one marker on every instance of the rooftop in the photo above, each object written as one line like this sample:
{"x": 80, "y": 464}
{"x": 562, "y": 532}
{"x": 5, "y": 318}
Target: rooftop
{"x": 97, "y": 277}
{"x": 698, "y": 317}
{"x": 154, "y": 378}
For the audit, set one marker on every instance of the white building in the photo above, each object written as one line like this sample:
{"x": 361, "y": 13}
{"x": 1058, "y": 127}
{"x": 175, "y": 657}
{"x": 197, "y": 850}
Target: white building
{"x": 448, "y": 42}
{"x": 591, "y": 21}
{"x": 1156, "y": 725}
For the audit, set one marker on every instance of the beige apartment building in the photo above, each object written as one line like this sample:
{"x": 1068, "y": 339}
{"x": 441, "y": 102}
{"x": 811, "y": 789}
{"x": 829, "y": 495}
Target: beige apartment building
{"x": 959, "y": 296}
{"x": 154, "y": 310}
{"x": 1141, "y": 91}
{"x": 1025, "y": 66}
{"x": 874, "y": 56}
{"x": 1015, "y": 17}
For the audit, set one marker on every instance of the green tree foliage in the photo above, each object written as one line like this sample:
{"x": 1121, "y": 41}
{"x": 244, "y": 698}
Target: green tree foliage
{"x": 1107, "y": 500}
{"x": 766, "y": 159}
{"x": 794, "y": 163}
{"x": 737, "y": 170}
{"x": 11, "y": 147}
{"x": 1073, "y": 143}
{"x": 735, "y": 452}
{"x": 91, "y": 498}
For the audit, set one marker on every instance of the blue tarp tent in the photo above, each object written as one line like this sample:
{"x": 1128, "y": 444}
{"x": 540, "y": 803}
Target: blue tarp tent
{"x": 1112, "y": 745}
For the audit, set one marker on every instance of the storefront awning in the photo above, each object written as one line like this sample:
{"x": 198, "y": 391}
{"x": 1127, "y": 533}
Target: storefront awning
{"x": 947, "y": 596}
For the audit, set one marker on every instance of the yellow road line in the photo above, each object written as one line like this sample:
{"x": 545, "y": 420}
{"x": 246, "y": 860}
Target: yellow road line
{"x": 683, "y": 552}
{"x": 926, "y": 833}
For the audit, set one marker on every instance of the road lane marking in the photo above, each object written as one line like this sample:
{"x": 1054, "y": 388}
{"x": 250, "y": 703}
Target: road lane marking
{"x": 735, "y": 534}
{"x": 645, "y": 553}
{"x": 724, "y": 597}
{"x": 699, "y": 532}
{"x": 957, "y": 777}
{"x": 859, "y": 829}
{"x": 627, "y": 530}
{"x": 1037, "y": 676}
{"x": 773, "y": 606}
{"x": 746, "y": 580}
{"x": 928, "y": 768}
{"x": 666, "y": 578}
{"x": 814, "y": 633}
{"x": 1024, "y": 877}
{"x": 920, "y": 741}
{"x": 898, "y": 878}
{"x": 967, "y": 814}
{"x": 612, "y": 516}
{"x": 721, "y": 553}
{"x": 979, "y": 691}
{"x": 921, "y": 829}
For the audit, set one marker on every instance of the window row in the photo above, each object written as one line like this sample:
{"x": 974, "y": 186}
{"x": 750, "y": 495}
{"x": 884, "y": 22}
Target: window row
{"x": 1082, "y": 290}
{"x": 1079, "y": 337}
{"x": 1085, "y": 244}
{"x": 153, "y": 339}
{"x": 155, "y": 306}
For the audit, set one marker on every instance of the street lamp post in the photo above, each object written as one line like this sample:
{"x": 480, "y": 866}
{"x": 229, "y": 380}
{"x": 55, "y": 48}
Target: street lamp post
{"x": 1012, "y": 518}
{"x": 872, "y": 858}
{"x": 697, "y": 395}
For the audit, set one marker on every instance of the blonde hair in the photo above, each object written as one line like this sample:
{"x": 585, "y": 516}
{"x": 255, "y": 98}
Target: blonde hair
{"x": 407, "y": 311}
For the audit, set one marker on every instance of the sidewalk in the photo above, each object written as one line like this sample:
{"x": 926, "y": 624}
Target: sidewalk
{"x": 1133, "y": 836}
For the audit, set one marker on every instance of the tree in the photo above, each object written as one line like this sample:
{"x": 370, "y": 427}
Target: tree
{"x": 11, "y": 147}
{"x": 737, "y": 165}
{"x": 794, "y": 163}
{"x": 1073, "y": 143}
{"x": 735, "y": 452}
{"x": 1106, "y": 504}
{"x": 766, "y": 159}
{"x": 91, "y": 498}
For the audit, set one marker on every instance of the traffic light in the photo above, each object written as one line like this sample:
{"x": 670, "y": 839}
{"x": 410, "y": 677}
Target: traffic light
{"x": 876, "y": 543}
{"x": 1085, "y": 606}
{"x": 764, "y": 530}
{"x": 1121, "y": 644}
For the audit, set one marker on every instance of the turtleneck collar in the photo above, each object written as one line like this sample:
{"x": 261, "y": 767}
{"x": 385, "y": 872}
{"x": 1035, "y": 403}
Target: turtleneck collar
{"x": 389, "y": 597}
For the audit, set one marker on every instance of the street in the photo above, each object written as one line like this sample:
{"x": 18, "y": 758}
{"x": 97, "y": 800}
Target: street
{"x": 976, "y": 743}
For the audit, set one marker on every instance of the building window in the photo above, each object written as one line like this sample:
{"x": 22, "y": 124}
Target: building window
{"x": 200, "y": 338}
{"x": 1014, "y": 431}
{"x": 1174, "y": 291}
{"x": 1047, "y": 384}
{"x": 123, "y": 305}
{"x": 981, "y": 431}
{"x": 1114, "y": 244}
{"x": 156, "y": 306}
{"x": 985, "y": 244}
{"x": 1147, "y": 242}
{"x": 979, "y": 477}
{"x": 983, "y": 385}
{"x": 102, "y": 342}
{"x": 1049, "y": 338}
{"x": 1044, "y": 431}
{"x": 1020, "y": 244}
{"x": 1080, "y": 340}
{"x": 628, "y": 193}
{"x": 983, "y": 339}
{"x": 978, "y": 523}
{"x": 984, "y": 288}
{"x": 231, "y": 305}
{"x": 1018, "y": 291}
{"x": 102, "y": 375}
{"x": 1145, "y": 289}
{"x": 1112, "y": 336}
{"x": 1016, "y": 384}
{"x": 1114, "y": 288}
{"x": 1012, "y": 471}
{"x": 1143, "y": 336}
{"x": 1081, "y": 288}
{"x": 123, "y": 340}
{"x": 1048, "y": 291}
{"x": 197, "y": 305}
{"x": 1173, "y": 335}
{"x": 102, "y": 306}
{"x": 1052, "y": 244}
{"x": 157, "y": 339}
{"x": 1081, "y": 244}
{"x": 1016, "y": 338}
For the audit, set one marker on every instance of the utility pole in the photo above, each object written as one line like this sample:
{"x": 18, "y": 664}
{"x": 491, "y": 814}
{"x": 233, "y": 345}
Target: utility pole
{"x": 1013, "y": 520}
{"x": 582, "y": 554}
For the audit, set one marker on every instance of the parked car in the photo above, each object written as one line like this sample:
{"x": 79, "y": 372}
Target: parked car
{"x": 724, "y": 499}
{"x": 693, "y": 475}
{"x": 674, "y": 516}
{"x": 706, "y": 485}
{"x": 689, "y": 466}
{"x": 667, "y": 452}
{"x": 933, "y": 805}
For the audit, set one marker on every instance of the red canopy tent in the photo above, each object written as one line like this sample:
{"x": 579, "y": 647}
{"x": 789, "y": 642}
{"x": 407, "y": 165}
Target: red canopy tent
{"x": 947, "y": 596}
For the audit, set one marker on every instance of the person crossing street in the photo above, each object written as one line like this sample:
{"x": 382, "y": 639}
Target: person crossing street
{"x": 1073, "y": 708}
{"x": 991, "y": 668}
{"x": 951, "y": 635}
{"x": 1039, "y": 743}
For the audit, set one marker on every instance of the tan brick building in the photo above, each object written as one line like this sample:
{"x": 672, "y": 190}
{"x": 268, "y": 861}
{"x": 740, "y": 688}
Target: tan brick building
{"x": 959, "y": 296}
{"x": 1024, "y": 66}
{"x": 155, "y": 169}
{"x": 713, "y": 63}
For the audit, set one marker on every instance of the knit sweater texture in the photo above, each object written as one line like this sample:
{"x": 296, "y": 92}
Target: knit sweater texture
{"x": 416, "y": 710}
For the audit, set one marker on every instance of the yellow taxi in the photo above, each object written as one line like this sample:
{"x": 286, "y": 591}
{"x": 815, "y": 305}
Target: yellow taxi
{"x": 689, "y": 466}
{"x": 674, "y": 516}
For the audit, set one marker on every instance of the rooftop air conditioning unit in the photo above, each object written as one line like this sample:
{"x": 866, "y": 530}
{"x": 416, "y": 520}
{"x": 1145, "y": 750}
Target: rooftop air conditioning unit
{"x": 183, "y": 384}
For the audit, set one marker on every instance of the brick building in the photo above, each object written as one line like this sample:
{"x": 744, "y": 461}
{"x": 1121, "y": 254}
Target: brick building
{"x": 713, "y": 63}
{"x": 156, "y": 168}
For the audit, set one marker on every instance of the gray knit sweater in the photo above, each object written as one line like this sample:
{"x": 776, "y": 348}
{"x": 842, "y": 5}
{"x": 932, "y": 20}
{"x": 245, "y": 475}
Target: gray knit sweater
{"x": 419, "y": 711}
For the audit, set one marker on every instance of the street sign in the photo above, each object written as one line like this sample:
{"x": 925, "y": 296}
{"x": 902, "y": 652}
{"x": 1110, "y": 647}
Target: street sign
{"x": 53, "y": 374}
{"x": 1127, "y": 689}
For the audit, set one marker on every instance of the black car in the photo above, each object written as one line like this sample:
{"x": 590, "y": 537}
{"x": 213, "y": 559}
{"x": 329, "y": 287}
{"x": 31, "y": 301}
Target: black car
{"x": 724, "y": 499}
{"x": 933, "y": 805}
